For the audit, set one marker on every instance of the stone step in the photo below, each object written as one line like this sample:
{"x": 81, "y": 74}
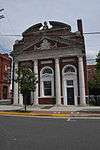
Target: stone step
{"x": 5, "y": 102}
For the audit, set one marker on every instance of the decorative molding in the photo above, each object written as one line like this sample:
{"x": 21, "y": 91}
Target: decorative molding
{"x": 46, "y": 62}
{"x": 45, "y": 44}
{"x": 49, "y": 53}
{"x": 68, "y": 60}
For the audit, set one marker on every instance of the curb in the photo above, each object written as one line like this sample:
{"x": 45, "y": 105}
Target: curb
{"x": 44, "y": 114}
{"x": 32, "y": 114}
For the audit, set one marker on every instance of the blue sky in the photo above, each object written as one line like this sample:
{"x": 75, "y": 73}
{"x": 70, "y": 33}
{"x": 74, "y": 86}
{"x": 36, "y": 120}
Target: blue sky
{"x": 21, "y": 14}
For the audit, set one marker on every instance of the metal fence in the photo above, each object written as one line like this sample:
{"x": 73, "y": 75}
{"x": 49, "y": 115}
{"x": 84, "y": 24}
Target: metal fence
{"x": 93, "y": 100}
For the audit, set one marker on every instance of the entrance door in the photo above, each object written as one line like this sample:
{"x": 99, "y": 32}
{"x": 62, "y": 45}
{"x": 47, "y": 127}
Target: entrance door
{"x": 70, "y": 95}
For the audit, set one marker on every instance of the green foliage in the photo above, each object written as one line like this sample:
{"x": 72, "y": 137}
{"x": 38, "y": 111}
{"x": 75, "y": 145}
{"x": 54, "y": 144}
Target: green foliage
{"x": 98, "y": 70}
{"x": 94, "y": 85}
{"x": 91, "y": 84}
{"x": 26, "y": 80}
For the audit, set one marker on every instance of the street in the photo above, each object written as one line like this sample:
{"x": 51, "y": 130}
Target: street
{"x": 27, "y": 133}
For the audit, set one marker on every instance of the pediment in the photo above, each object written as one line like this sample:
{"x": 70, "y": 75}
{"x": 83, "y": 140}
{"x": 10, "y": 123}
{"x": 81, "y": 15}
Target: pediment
{"x": 43, "y": 44}
{"x": 48, "y": 43}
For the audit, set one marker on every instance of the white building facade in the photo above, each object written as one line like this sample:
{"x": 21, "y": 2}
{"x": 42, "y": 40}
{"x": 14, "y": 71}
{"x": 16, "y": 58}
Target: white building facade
{"x": 57, "y": 57}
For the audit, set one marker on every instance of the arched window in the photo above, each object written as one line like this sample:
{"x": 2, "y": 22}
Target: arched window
{"x": 47, "y": 82}
{"x": 69, "y": 69}
{"x": 47, "y": 71}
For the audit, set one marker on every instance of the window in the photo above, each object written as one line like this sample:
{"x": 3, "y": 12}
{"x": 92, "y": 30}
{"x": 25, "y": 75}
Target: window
{"x": 69, "y": 82}
{"x": 69, "y": 69}
{"x": 47, "y": 88}
{"x": 47, "y": 82}
{"x": 47, "y": 70}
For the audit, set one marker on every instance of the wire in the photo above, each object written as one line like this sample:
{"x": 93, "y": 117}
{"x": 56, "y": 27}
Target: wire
{"x": 92, "y": 33}
{"x": 10, "y": 35}
{"x": 21, "y": 35}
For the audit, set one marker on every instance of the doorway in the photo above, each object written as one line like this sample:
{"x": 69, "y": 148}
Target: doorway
{"x": 69, "y": 84}
{"x": 70, "y": 95}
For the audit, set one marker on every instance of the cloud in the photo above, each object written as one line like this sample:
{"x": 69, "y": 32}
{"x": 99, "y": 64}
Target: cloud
{"x": 21, "y": 14}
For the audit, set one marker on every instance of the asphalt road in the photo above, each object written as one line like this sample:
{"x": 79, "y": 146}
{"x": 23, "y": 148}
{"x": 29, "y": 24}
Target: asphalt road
{"x": 19, "y": 133}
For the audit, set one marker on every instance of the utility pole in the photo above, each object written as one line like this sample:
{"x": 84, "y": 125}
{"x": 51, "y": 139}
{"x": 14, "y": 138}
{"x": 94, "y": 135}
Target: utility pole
{"x": 1, "y": 16}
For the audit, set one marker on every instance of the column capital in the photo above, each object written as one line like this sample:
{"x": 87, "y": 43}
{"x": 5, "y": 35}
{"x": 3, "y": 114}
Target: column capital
{"x": 80, "y": 57}
{"x": 57, "y": 60}
{"x": 36, "y": 62}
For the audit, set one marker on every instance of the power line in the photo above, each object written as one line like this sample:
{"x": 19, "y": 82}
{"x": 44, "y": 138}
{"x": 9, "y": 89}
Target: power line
{"x": 91, "y": 33}
{"x": 85, "y": 33}
{"x": 11, "y": 35}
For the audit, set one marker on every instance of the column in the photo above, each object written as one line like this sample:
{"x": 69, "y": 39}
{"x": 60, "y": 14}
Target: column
{"x": 81, "y": 82}
{"x": 15, "y": 84}
{"x": 58, "y": 87}
{"x": 32, "y": 97}
{"x": 36, "y": 74}
{"x": 20, "y": 99}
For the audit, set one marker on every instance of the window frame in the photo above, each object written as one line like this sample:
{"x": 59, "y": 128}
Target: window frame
{"x": 46, "y": 77}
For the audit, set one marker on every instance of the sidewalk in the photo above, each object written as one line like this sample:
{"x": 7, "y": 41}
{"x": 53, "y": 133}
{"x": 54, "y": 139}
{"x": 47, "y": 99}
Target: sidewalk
{"x": 51, "y": 111}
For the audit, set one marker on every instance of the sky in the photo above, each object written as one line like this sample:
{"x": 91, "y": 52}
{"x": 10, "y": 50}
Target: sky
{"x": 21, "y": 14}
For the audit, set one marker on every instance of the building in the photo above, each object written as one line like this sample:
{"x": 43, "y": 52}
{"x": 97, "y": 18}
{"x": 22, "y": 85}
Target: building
{"x": 57, "y": 57}
{"x": 91, "y": 72}
{"x": 5, "y": 75}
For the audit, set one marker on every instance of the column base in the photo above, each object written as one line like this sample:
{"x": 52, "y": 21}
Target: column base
{"x": 35, "y": 105}
{"x": 18, "y": 105}
{"x": 58, "y": 105}
{"x": 83, "y": 104}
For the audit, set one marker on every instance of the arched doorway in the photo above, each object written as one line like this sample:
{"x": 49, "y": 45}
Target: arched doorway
{"x": 70, "y": 88}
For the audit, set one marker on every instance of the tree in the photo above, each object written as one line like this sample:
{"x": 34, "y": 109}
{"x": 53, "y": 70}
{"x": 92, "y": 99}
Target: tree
{"x": 94, "y": 85}
{"x": 98, "y": 71}
{"x": 91, "y": 85}
{"x": 27, "y": 82}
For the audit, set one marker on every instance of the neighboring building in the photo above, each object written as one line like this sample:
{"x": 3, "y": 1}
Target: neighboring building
{"x": 5, "y": 75}
{"x": 57, "y": 57}
{"x": 91, "y": 72}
